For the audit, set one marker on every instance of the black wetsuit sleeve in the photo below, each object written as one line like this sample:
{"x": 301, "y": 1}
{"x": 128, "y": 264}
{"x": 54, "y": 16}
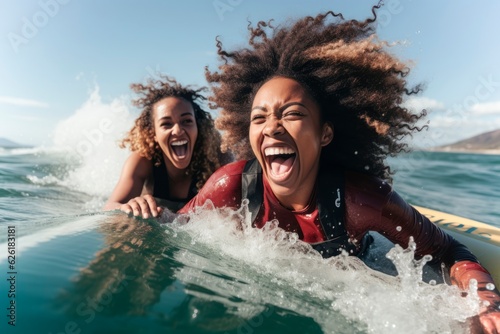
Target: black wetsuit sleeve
{"x": 429, "y": 238}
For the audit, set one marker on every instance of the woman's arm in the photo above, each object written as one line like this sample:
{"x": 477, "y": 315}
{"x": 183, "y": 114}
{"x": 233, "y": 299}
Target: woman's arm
{"x": 127, "y": 194}
{"x": 373, "y": 205}
{"x": 462, "y": 264}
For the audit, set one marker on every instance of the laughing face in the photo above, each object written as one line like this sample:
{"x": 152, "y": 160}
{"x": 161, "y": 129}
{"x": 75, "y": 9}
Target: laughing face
{"x": 175, "y": 131}
{"x": 286, "y": 135}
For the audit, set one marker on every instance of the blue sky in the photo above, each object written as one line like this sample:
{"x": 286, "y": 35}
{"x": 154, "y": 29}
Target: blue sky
{"x": 54, "y": 53}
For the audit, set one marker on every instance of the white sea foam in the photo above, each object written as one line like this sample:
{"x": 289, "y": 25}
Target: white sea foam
{"x": 45, "y": 180}
{"x": 90, "y": 138}
{"x": 272, "y": 267}
{"x": 23, "y": 151}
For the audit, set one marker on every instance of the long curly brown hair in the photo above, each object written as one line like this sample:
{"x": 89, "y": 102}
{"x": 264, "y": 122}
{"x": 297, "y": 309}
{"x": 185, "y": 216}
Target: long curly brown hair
{"x": 206, "y": 156}
{"x": 358, "y": 84}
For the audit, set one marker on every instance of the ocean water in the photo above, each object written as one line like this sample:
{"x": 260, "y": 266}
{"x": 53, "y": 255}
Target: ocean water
{"x": 68, "y": 267}
{"x": 463, "y": 184}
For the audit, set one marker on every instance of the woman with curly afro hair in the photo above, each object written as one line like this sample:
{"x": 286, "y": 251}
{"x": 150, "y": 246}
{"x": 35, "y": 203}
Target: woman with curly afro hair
{"x": 314, "y": 108}
{"x": 175, "y": 148}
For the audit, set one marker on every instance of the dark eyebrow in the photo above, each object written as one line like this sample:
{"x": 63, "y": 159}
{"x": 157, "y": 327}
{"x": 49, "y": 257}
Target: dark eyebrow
{"x": 283, "y": 107}
{"x": 169, "y": 117}
{"x": 258, "y": 107}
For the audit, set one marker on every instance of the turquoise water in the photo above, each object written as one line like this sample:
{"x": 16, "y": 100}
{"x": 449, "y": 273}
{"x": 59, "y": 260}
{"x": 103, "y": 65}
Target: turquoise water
{"x": 463, "y": 184}
{"x": 79, "y": 270}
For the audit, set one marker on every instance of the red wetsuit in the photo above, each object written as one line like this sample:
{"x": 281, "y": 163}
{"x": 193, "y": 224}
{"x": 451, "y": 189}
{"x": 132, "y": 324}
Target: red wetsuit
{"x": 370, "y": 205}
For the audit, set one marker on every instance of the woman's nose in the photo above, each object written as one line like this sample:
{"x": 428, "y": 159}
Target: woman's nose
{"x": 177, "y": 129}
{"x": 274, "y": 127}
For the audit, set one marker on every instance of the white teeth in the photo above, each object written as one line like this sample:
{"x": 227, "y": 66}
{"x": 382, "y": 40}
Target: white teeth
{"x": 179, "y": 143}
{"x": 278, "y": 150}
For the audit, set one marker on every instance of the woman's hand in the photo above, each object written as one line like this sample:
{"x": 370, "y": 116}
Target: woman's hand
{"x": 461, "y": 275}
{"x": 142, "y": 206}
{"x": 490, "y": 319}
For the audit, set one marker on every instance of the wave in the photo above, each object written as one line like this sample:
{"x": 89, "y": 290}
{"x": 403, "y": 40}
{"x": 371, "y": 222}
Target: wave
{"x": 90, "y": 136}
{"x": 23, "y": 151}
{"x": 85, "y": 155}
{"x": 271, "y": 261}
{"x": 219, "y": 273}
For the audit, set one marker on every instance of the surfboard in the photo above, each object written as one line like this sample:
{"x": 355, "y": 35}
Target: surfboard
{"x": 482, "y": 239}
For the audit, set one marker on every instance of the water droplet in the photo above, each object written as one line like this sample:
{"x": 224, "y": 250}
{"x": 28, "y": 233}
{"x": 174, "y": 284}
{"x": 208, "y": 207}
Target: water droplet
{"x": 490, "y": 286}
{"x": 399, "y": 228}
{"x": 355, "y": 152}
{"x": 367, "y": 167}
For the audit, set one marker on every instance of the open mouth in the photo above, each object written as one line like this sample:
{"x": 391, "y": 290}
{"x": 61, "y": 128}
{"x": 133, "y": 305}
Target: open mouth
{"x": 180, "y": 148}
{"x": 280, "y": 159}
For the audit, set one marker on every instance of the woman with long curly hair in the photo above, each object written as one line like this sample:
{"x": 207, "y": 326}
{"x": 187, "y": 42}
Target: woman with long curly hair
{"x": 314, "y": 108}
{"x": 175, "y": 148}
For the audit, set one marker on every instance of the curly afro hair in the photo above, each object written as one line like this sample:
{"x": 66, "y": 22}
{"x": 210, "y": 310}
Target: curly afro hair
{"x": 358, "y": 84}
{"x": 207, "y": 155}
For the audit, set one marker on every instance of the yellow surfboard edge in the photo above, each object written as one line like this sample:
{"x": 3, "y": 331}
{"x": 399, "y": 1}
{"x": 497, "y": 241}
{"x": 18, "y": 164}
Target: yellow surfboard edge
{"x": 482, "y": 239}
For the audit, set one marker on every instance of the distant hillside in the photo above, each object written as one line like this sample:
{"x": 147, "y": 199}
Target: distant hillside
{"x": 486, "y": 142}
{"x": 4, "y": 142}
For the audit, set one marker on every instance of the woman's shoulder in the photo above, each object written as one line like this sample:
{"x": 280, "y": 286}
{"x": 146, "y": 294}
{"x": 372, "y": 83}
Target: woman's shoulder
{"x": 366, "y": 196}
{"x": 231, "y": 169}
{"x": 367, "y": 185}
{"x": 227, "y": 175}
{"x": 136, "y": 158}
{"x": 223, "y": 188}
{"x": 138, "y": 165}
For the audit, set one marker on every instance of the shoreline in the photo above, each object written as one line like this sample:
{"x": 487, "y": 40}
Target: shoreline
{"x": 469, "y": 151}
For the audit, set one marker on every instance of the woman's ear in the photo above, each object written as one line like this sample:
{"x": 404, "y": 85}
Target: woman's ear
{"x": 327, "y": 136}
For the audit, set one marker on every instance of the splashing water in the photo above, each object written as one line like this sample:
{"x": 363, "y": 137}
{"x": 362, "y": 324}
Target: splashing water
{"x": 271, "y": 269}
{"x": 87, "y": 151}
